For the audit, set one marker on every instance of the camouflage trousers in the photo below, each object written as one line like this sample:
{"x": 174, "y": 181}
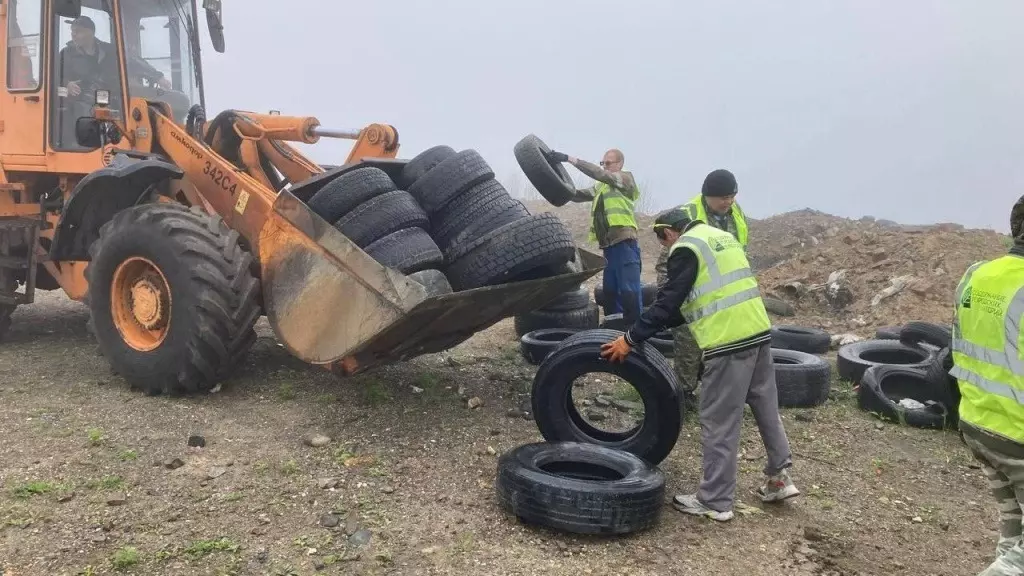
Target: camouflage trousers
{"x": 1006, "y": 479}
{"x": 685, "y": 352}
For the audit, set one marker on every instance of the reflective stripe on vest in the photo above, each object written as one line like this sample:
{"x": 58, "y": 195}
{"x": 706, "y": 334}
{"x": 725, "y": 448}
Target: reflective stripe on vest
{"x": 989, "y": 306}
{"x": 618, "y": 208}
{"x": 695, "y": 208}
{"x": 725, "y": 303}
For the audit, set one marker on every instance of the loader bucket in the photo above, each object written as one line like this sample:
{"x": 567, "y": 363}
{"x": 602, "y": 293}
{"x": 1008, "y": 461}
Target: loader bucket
{"x": 329, "y": 301}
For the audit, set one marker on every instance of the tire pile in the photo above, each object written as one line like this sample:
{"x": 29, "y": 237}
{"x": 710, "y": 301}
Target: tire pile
{"x": 446, "y": 222}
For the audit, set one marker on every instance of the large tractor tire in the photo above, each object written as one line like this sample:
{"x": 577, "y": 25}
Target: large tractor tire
{"x": 172, "y": 297}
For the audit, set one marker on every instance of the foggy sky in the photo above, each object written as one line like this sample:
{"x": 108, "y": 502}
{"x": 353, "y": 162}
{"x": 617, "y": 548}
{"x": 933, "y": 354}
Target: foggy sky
{"x": 908, "y": 110}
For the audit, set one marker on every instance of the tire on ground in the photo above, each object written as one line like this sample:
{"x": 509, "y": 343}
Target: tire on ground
{"x": 550, "y": 179}
{"x": 648, "y": 292}
{"x": 946, "y": 388}
{"x": 422, "y": 163}
{"x": 801, "y": 339}
{"x": 213, "y": 301}
{"x": 571, "y": 300}
{"x": 339, "y": 196}
{"x": 472, "y": 212}
{"x": 853, "y": 359}
{"x": 380, "y": 216}
{"x": 927, "y": 332}
{"x": 585, "y": 318}
{"x": 525, "y": 249}
{"x": 803, "y": 379}
{"x": 883, "y": 386}
{"x": 536, "y": 345}
{"x": 663, "y": 342}
{"x": 644, "y": 368}
{"x": 545, "y": 483}
{"x": 444, "y": 182}
{"x": 409, "y": 250}
{"x": 433, "y": 280}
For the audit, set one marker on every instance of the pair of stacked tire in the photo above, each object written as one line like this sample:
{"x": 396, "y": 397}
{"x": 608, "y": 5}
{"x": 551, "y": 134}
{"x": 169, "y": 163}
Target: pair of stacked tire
{"x": 802, "y": 376}
{"x": 541, "y": 330}
{"x": 910, "y": 361}
{"x": 451, "y": 215}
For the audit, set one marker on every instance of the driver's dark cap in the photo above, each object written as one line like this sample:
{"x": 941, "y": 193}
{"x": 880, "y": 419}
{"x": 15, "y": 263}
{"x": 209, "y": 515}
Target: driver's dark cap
{"x": 83, "y": 22}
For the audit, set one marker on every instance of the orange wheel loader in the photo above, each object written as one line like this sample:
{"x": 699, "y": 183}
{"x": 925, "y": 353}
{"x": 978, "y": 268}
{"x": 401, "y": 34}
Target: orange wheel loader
{"x": 179, "y": 233}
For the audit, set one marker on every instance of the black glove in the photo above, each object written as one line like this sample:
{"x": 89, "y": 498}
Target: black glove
{"x": 557, "y": 156}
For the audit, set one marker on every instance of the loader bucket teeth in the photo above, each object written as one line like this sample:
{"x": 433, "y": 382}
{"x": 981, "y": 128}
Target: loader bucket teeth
{"x": 330, "y": 303}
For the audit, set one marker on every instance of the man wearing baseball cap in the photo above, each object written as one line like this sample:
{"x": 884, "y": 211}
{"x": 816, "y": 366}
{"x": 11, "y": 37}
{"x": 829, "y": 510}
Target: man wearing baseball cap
{"x": 711, "y": 291}
{"x": 716, "y": 206}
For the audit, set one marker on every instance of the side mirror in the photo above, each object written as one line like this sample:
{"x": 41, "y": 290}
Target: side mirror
{"x": 67, "y": 8}
{"x": 215, "y": 23}
{"x": 88, "y": 132}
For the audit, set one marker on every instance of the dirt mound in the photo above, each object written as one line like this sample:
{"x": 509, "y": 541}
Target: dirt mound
{"x": 795, "y": 254}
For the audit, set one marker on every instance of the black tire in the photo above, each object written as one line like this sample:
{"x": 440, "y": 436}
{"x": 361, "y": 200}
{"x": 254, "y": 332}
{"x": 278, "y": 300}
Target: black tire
{"x": 423, "y": 163}
{"x": 585, "y": 318}
{"x": 536, "y": 345}
{"x": 579, "y": 488}
{"x": 614, "y": 322}
{"x": 801, "y": 339}
{"x": 380, "y": 216}
{"x": 341, "y": 195}
{"x": 444, "y": 182}
{"x": 7, "y": 284}
{"x": 664, "y": 343}
{"x": 648, "y": 292}
{"x": 522, "y": 250}
{"x": 571, "y": 300}
{"x": 434, "y": 281}
{"x": 214, "y": 299}
{"x": 550, "y": 179}
{"x": 927, "y": 332}
{"x": 644, "y": 368}
{"x": 410, "y": 250}
{"x": 888, "y": 333}
{"x": 883, "y": 386}
{"x": 484, "y": 206}
{"x": 803, "y": 379}
{"x": 853, "y": 359}
{"x": 946, "y": 389}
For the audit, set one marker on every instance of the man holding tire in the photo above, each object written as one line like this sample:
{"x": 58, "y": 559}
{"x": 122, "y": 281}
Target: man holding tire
{"x": 613, "y": 226}
{"x": 989, "y": 369}
{"x": 710, "y": 289}
{"x": 715, "y": 206}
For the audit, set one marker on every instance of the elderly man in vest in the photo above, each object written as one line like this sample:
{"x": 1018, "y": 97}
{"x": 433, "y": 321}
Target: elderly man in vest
{"x": 711, "y": 289}
{"x": 989, "y": 368}
{"x": 613, "y": 227}
{"x": 716, "y": 206}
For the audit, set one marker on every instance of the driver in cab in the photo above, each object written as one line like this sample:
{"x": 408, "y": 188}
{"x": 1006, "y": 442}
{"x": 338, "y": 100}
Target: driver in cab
{"x": 88, "y": 63}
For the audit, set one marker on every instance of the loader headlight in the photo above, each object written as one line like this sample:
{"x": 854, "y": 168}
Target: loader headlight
{"x": 103, "y": 97}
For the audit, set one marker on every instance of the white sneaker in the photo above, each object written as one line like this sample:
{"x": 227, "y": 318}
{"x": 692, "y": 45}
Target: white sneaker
{"x": 778, "y": 488}
{"x": 689, "y": 504}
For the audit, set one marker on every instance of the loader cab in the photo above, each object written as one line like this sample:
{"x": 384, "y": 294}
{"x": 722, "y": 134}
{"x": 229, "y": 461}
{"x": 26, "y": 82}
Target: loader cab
{"x": 60, "y": 52}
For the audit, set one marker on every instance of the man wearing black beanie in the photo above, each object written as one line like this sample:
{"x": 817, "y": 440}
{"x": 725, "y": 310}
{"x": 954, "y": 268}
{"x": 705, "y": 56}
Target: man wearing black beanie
{"x": 716, "y": 206}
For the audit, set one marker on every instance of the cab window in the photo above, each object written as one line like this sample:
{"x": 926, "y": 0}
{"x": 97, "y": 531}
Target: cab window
{"x": 24, "y": 28}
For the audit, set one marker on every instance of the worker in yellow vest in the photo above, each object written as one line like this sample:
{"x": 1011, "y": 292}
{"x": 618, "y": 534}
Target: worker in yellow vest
{"x": 989, "y": 368}
{"x": 711, "y": 289}
{"x": 613, "y": 226}
{"x": 716, "y": 206}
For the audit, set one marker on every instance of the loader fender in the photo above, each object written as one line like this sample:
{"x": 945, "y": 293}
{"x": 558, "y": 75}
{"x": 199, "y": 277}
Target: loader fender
{"x": 100, "y": 195}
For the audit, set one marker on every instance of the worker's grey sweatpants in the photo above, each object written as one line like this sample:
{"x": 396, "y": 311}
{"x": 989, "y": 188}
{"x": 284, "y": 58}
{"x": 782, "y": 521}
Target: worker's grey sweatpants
{"x": 729, "y": 382}
{"x": 1005, "y": 474}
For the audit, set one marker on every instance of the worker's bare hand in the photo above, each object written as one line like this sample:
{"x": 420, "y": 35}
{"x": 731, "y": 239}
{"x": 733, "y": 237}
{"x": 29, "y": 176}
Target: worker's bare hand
{"x": 74, "y": 89}
{"x": 616, "y": 350}
{"x": 557, "y": 157}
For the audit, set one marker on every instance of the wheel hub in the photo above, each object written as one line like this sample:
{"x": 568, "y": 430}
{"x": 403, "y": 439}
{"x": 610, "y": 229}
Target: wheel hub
{"x": 140, "y": 302}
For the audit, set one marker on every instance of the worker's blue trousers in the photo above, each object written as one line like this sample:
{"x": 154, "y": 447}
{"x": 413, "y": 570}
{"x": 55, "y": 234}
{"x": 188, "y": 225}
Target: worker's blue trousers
{"x": 622, "y": 290}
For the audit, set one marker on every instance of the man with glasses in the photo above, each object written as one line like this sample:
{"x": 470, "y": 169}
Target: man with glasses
{"x": 715, "y": 206}
{"x": 613, "y": 226}
{"x": 711, "y": 291}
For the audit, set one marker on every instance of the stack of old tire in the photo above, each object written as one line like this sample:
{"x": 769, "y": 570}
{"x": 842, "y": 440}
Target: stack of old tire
{"x": 446, "y": 222}
{"x": 802, "y": 375}
{"x": 903, "y": 374}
